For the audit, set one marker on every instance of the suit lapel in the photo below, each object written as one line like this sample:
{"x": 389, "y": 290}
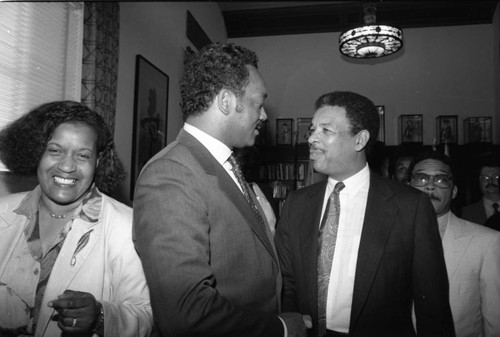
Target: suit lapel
{"x": 455, "y": 244}
{"x": 377, "y": 225}
{"x": 231, "y": 190}
{"x": 226, "y": 184}
{"x": 71, "y": 258}
{"x": 10, "y": 227}
{"x": 68, "y": 264}
{"x": 309, "y": 225}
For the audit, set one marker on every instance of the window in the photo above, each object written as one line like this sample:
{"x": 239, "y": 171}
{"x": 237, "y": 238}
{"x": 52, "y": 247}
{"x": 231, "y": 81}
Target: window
{"x": 40, "y": 55}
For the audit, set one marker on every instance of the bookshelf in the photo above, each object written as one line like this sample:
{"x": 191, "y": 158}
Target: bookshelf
{"x": 285, "y": 168}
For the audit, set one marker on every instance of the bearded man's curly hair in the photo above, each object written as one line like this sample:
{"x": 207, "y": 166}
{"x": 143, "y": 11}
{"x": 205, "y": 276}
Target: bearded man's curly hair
{"x": 23, "y": 142}
{"x": 218, "y": 66}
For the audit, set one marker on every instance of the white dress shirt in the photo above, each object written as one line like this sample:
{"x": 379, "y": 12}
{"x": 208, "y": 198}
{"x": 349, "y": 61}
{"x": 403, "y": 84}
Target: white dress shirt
{"x": 353, "y": 200}
{"x": 443, "y": 223}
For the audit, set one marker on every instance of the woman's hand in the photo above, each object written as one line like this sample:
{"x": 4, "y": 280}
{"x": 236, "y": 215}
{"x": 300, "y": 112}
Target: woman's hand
{"x": 77, "y": 312}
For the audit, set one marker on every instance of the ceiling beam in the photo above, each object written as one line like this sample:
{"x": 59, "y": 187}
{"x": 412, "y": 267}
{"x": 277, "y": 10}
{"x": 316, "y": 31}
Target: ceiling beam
{"x": 322, "y": 18}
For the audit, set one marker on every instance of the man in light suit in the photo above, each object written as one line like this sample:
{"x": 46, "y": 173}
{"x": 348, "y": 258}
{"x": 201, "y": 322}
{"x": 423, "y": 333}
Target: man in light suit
{"x": 208, "y": 258}
{"x": 471, "y": 251}
{"x": 388, "y": 253}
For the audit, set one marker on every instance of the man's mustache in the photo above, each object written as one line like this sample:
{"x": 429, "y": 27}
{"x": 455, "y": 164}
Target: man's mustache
{"x": 491, "y": 184}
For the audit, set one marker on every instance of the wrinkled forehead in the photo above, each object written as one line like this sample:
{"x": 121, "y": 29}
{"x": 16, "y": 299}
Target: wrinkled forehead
{"x": 432, "y": 166}
{"x": 489, "y": 170}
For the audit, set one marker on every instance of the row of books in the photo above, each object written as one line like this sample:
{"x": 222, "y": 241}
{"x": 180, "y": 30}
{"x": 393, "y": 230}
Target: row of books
{"x": 283, "y": 171}
{"x": 281, "y": 189}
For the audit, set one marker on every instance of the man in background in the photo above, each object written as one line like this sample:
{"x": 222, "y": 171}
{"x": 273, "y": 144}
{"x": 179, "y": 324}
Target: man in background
{"x": 471, "y": 251}
{"x": 401, "y": 161}
{"x": 358, "y": 268}
{"x": 206, "y": 247}
{"x": 487, "y": 208}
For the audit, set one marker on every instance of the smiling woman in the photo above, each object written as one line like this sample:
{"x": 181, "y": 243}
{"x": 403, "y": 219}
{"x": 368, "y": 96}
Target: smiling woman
{"x": 67, "y": 226}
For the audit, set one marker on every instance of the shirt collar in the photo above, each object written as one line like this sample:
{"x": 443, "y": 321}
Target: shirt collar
{"x": 88, "y": 210}
{"x": 354, "y": 183}
{"x": 443, "y": 223}
{"x": 218, "y": 149}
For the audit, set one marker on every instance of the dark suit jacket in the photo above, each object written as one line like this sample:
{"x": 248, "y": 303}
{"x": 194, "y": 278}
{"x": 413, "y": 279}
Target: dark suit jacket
{"x": 474, "y": 212}
{"x": 400, "y": 260}
{"x": 210, "y": 267}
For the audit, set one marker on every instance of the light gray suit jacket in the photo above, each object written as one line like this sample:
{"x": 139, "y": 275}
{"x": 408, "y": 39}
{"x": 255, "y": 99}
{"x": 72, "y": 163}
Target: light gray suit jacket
{"x": 210, "y": 266}
{"x": 472, "y": 255}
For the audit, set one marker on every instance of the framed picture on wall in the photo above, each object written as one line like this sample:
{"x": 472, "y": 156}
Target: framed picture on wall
{"x": 150, "y": 115}
{"x": 477, "y": 130}
{"x": 381, "y": 116}
{"x": 410, "y": 129}
{"x": 284, "y": 131}
{"x": 303, "y": 125}
{"x": 446, "y": 129}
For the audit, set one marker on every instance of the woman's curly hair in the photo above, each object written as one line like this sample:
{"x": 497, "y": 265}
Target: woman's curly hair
{"x": 23, "y": 142}
{"x": 218, "y": 66}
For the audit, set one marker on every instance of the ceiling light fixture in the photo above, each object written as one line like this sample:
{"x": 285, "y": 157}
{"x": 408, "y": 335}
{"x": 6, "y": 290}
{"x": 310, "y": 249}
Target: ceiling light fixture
{"x": 370, "y": 40}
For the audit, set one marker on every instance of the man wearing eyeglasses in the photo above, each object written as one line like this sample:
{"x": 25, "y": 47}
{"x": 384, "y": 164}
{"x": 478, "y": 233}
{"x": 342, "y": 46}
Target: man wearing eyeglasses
{"x": 471, "y": 251}
{"x": 486, "y": 210}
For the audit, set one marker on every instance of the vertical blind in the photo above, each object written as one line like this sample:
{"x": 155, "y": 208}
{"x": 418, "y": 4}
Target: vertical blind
{"x": 40, "y": 55}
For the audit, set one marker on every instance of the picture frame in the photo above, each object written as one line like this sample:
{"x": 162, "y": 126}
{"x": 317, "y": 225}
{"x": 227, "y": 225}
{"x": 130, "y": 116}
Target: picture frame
{"x": 381, "y": 116}
{"x": 446, "y": 129}
{"x": 284, "y": 131}
{"x": 478, "y": 130}
{"x": 303, "y": 125}
{"x": 411, "y": 128}
{"x": 150, "y": 115}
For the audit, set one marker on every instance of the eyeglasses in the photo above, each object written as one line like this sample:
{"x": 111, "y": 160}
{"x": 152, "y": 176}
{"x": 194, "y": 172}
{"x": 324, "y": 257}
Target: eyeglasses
{"x": 486, "y": 178}
{"x": 440, "y": 180}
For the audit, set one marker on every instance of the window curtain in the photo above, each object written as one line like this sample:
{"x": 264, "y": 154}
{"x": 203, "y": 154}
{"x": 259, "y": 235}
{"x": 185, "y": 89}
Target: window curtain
{"x": 100, "y": 58}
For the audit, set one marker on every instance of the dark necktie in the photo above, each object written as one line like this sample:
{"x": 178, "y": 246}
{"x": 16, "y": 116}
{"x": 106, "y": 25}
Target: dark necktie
{"x": 326, "y": 247}
{"x": 235, "y": 167}
{"x": 494, "y": 220}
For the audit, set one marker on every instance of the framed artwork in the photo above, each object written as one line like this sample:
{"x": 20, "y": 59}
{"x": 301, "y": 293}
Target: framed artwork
{"x": 303, "y": 125}
{"x": 446, "y": 129}
{"x": 261, "y": 139}
{"x": 381, "y": 116}
{"x": 284, "y": 131}
{"x": 477, "y": 130}
{"x": 411, "y": 128}
{"x": 150, "y": 115}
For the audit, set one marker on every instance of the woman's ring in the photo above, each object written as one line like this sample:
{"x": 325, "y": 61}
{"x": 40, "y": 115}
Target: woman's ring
{"x": 74, "y": 323}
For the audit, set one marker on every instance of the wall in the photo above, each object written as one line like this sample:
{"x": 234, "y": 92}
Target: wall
{"x": 157, "y": 31}
{"x": 444, "y": 70}
{"x": 440, "y": 71}
{"x": 496, "y": 58}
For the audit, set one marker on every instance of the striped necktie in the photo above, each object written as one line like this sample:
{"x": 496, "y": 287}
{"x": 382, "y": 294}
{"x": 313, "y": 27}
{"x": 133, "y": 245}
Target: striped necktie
{"x": 235, "y": 167}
